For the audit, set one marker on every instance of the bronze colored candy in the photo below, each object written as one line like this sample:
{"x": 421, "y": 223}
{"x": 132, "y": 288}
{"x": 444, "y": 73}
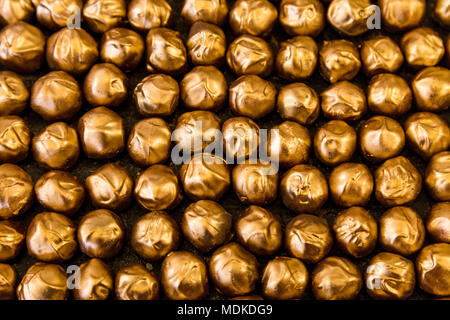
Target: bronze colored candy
{"x": 423, "y": 47}
{"x": 71, "y": 50}
{"x": 233, "y": 270}
{"x": 255, "y": 17}
{"x": 8, "y": 282}
{"x": 381, "y": 138}
{"x": 56, "y": 14}
{"x": 51, "y": 237}
{"x": 100, "y": 234}
{"x": 259, "y": 231}
{"x": 335, "y": 142}
{"x": 433, "y": 269}
{"x": 157, "y": 188}
{"x": 60, "y": 191}
{"x": 437, "y": 176}
{"x": 12, "y": 240}
{"x": 56, "y": 96}
{"x": 438, "y": 222}
{"x": 427, "y": 134}
{"x": 56, "y": 147}
{"x": 336, "y": 278}
{"x": 351, "y": 184}
{"x": 110, "y": 187}
{"x": 103, "y": 15}
{"x": 397, "y": 182}
{"x": 146, "y": 14}
{"x": 204, "y": 88}
{"x": 250, "y": 55}
{"x": 298, "y": 102}
{"x": 343, "y": 101}
{"x": 297, "y": 58}
{"x": 431, "y": 88}
{"x": 149, "y": 142}
{"x": 22, "y": 47}
{"x": 206, "y": 44}
{"x": 240, "y": 138}
{"x": 15, "y": 138}
{"x": 302, "y": 17}
{"x": 441, "y": 12}
{"x": 105, "y": 85}
{"x": 184, "y": 276}
{"x": 166, "y": 52}
{"x": 206, "y": 224}
{"x": 13, "y": 11}
{"x": 401, "y": 15}
{"x": 212, "y": 11}
{"x": 102, "y": 133}
{"x": 252, "y": 96}
{"x": 289, "y": 143}
{"x": 135, "y": 282}
{"x": 381, "y": 54}
{"x": 13, "y": 93}
{"x": 154, "y": 235}
{"x": 284, "y": 278}
{"x": 350, "y": 17}
{"x": 17, "y": 191}
{"x": 96, "y": 281}
{"x": 308, "y": 238}
{"x": 390, "y": 276}
{"x": 44, "y": 282}
{"x": 123, "y": 47}
{"x": 339, "y": 60}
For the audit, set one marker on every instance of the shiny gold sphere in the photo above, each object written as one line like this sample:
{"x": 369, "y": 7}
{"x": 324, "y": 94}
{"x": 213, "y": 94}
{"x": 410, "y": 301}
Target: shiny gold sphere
{"x": 146, "y": 14}
{"x": 381, "y": 54}
{"x": 12, "y": 240}
{"x": 298, "y": 102}
{"x": 206, "y": 44}
{"x": 441, "y": 13}
{"x": 14, "y": 11}
{"x": 56, "y": 14}
{"x": 254, "y": 17}
{"x": 136, "y": 282}
{"x": 96, "y": 281}
{"x": 302, "y": 17}
{"x": 350, "y": 17}
{"x": 240, "y": 138}
{"x": 13, "y": 93}
{"x": 401, "y": 15}
{"x": 433, "y": 269}
{"x": 8, "y": 282}
{"x": 15, "y": 139}
{"x": 212, "y": 11}
{"x": 438, "y": 222}
{"x": 339, "y": 60}
{"x": 431, "y": 88}
{"x": 103, "y": 15}
{"x": 423, "y": 47}
{"x": 437, "y": 176}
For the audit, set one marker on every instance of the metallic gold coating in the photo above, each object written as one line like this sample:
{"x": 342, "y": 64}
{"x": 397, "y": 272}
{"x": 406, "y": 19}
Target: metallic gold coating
{"x": 438, "y": 222}
{"x": 349, "y": 17}
{"x": 206, "y": 44}
{"x": 339, "y": 60}
{"x": 13, "y": 11}
{"x": 15, "y": 138}
{"x": 298, "y": 102}
{"x": 423, "y": 47}
{"x": 8, "y": 282}
{"x": 212, "y": 11}
{"x": 17, "y": 191}
{"x": 135, "y": 282}
{"x": 437, "y": 176}
{"x": 12, "y": 240}
{"x": 240, "y": 137}
{"x": 441, "y": 13}
{"x": 302, "y": 17}
{"x": 103, "y": 15}
{"x": 254, "y": 17}
{"x": 401, "y": 15}
{"x": 13, "y": 93}
{"x": 431, "y": 88}
{"x": 381, "y": 54}
{"x": 433, "y": 269}
{"x": 96, "y": 281}
{"x": 146, "y": 14}
{"x": 56, "y": 14}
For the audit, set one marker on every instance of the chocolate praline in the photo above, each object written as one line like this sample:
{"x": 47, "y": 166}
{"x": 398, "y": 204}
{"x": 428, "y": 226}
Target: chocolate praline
{"x": 381, "y": 54}
{"x": 339, "y": 60}
{"x": 8, "y": 282}
{"x": 240, "y": 138}
{"x": 441, "y": 13}
{"x": 135, "y": 282}
{"x": 56, "y": 14}
{"x": 423, "y": 47}
{"x": 12, "y": 240}
{"x": 431, "y": 88}
{"x": 17, "y": 191}
{"x": 302, "y": 17}
{"x": 298, "y": 102}
{"x": 433, "y": 269}
{"x": 13, "y": 11}
{"x": 103, "y": 15}
{"x": 350, "y": 17}
{"x": 146, "y": 14}
{"x": 401, "y": 15}
{"x": 206, "y": 44}
{"x": 438, "y": 222}
{"x": 212, "y": 11}
{"x": 437, "y": 176}
{"x": 254, "y": 17}
{"x": 15, "y": 138}
{"x": 13, "y": 93}
{"x": 96, "y": 281}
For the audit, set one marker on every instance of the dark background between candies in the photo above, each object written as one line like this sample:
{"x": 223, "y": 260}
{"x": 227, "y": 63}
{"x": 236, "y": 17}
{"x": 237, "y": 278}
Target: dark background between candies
{"x": 129, "y": 113}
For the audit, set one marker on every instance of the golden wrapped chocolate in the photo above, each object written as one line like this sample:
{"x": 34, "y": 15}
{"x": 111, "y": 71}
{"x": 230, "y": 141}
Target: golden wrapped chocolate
{"x": 240, "y": 137}
{"x": 441, "y": 13}
{"x": 302, "y": 17}
{"x": 254, "y": 17}
{"x": 431, "y": 88}
{"x": 233, "y": 270}
{"x": 102, "y": 133}
{"x": 122, "y": 47}
{"x": 259, "y": 231}
{"x": 401, "y": 15}
{"x": 71, "y": 50}
{"x": 397, "y": 182}
{"x": 433, "y": 269}
{"x": 184, "y": 276}
{"x": 56, "y": 14}
{"x": 149, "y": 142}
{"x": 96, "y": 281}
{"x": 336, "y": 278}
{"x": 284, "y": 278}
{"x": 297, "y": 58}
{"x": 423, "y": 47}
{"x": 146, "y": 14}
{"x": 100, "y": 234}
{"x": 13, "y": 11}
{"x": 205, "y": 177}
{"x": 157, "y": 188}
{"x": 438, "y": 222}
{"x": 381, "y": 138}
{"x": 351, "y": 184}
{"x": 166, "y": 52}
{"x": 51, "y": 237}
{"x": 17, "y": 191}
{"x": 103, "y": 15}
{"x": 60, "y": 191}
{"x": 154, "y": 235}
{"x": 252, "y": 96}
{"x": 350, "y": 17}
{"x": 206, "y": 44}
{"x": 56, "y": 96}
{"x": 343, "y": 101}
{"x": 135, "y": 282}
{"x": 308, "y": 238}
{"x": 204, "y": 88}
{"x": 381, "y": 54}
{"x": 22, "y": 47}
{"x": 335, "y": 142}
{"x": 13, "y": 93}
{"x": 437, "y": 176}
{"x": 12, "y": 240}
{"x": 15, "y": 138}
{"x": 206, "y": 224}
{"x": 43, "y": 282}
{"x": 8, "y": 282}
{"x": 427, "y": 134}
{"x": 212, "y": 11}
{"x": 339, "y": 60}
{"x": 298, "y": 102}
{"x": 250, "y": 55}
{"x": 56, "y": 147}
